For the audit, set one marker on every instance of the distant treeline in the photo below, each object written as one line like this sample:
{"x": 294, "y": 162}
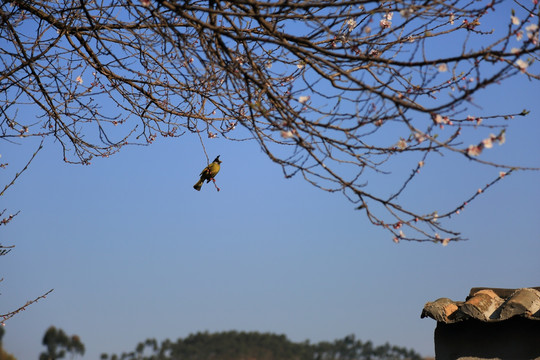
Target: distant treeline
{"x": 234, "y": 345}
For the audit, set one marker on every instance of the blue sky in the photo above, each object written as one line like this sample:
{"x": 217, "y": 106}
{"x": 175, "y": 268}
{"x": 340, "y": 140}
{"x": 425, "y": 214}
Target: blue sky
{"x": 133, "y": 251}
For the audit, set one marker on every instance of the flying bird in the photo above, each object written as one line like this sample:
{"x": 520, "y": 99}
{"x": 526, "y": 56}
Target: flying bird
{"x": 209, "y": 173}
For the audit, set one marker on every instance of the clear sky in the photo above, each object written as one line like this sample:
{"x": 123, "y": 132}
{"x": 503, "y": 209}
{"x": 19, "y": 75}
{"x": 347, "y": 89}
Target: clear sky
{"x": 133, "y": 251}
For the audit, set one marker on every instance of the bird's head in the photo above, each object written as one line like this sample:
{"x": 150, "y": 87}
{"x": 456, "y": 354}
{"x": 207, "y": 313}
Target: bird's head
{"x": 216, "y": 160}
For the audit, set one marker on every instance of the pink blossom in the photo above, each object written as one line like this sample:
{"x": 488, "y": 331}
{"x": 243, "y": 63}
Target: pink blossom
{"x": 286, "y": 134}
{"x": 474, "y": 150}
{"x": 515, "y": 20}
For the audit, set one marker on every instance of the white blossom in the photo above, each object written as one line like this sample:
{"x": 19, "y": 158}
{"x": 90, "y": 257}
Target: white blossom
{"x": 502, "y": 137}
{"x": 303, "y": 99}
{"x": 532, "y": 33}
{"x": 351, "y": 23}
{"x": 488, "y": 143}
{"x": 522, "y": 65}
{"x": 384, "y": 23}
{"x": 532, "y": 28}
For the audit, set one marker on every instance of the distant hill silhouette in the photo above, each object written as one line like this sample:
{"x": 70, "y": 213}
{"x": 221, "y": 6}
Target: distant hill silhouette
{"x": 234, "y": 345}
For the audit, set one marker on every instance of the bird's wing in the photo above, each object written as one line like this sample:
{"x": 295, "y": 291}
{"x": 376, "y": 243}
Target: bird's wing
{"x": 206, "y": 170}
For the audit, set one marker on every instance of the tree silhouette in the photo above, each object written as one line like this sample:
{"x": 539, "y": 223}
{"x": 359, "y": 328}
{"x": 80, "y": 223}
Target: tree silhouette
{"x": 4, "y": 355}
{"x": 337, "y": 92}
{"x": 59, "y": 344}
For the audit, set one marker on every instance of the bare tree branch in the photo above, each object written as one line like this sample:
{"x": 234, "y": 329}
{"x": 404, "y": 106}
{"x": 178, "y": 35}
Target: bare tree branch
{"x": 10, "y": 314}
{"x": 333, "y": 91}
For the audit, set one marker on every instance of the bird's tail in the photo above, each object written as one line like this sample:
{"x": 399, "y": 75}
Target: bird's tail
{"x": 199, "y": 184}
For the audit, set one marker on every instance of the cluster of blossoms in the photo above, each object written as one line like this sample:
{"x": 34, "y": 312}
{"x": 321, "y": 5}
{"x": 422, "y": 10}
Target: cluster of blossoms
{"x": 351, "y": 24}
{"x": 386, "y": 21}
{"x": 6, "y": 220}
{"x": 440, "y": 120}
{"x": 532, "y": 32}
{"x": 475, "y": 150}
